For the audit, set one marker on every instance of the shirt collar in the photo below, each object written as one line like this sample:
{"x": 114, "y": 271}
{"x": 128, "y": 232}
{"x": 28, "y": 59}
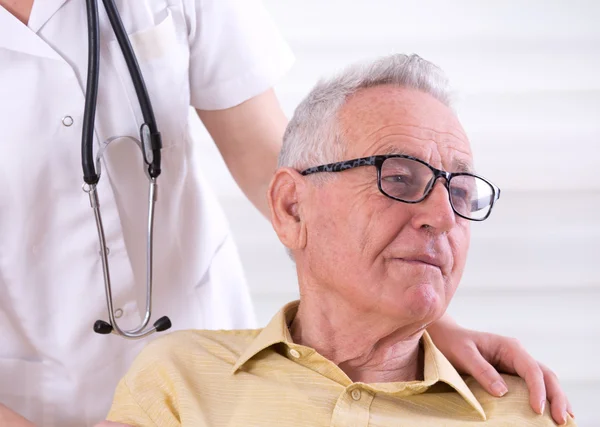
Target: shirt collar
{"x": 275, "y": 332}
{"x": 437, "y": 367}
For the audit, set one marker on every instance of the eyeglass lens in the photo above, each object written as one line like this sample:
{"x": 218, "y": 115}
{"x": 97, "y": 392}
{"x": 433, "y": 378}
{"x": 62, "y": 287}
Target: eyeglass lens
{"x": 409, "y": 181}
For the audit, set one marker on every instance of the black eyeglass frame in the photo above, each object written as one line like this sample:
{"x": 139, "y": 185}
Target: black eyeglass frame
{"x": 377, "y": 161}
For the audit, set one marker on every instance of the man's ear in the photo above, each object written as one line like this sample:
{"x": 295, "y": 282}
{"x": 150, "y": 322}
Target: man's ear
{"x": 285, "y": 198}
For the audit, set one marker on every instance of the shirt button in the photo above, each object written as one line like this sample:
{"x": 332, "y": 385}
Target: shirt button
{"x": 294, "y": 353}
{"x": 355, "y": 394}
{"x": 67, "y": 121}
{"x": 118, "y": 313}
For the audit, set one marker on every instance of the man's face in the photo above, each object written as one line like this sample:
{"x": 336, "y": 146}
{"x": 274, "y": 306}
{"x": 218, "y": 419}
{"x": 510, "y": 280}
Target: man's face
{"x": 401, "y": 261}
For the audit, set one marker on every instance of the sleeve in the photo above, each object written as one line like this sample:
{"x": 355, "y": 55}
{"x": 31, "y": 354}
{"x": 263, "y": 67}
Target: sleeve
{"x": 236, "y": 52}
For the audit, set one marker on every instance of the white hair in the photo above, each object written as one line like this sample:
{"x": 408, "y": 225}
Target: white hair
{"x": 313, "y": 135}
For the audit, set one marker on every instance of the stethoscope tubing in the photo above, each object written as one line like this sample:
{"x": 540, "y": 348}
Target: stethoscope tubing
{"x": 150, "y": 146}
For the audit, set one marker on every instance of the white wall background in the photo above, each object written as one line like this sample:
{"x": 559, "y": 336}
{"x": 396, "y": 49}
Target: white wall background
{"x": 527, "y": 76}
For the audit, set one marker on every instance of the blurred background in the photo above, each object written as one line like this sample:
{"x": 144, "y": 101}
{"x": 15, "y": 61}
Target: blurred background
{"x": 527, "y": 80}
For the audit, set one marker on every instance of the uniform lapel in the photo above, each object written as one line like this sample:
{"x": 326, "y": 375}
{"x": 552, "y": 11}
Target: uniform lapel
{"x": 18, "y": 37}
{"x": 42, "y": 11}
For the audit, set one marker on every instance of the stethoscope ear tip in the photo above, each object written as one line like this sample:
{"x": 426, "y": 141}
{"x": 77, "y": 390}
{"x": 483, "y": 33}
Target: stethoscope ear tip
{"x": 162, "y": 324}
{"x": 105, "y": 328}
{"x": 102, "y": 327}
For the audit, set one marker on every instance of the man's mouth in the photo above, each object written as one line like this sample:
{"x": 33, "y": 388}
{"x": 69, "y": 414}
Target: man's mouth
{"x": 423, "y": 259}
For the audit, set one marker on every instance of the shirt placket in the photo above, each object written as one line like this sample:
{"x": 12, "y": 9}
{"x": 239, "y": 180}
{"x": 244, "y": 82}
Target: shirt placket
{"x": 352, "y": 408}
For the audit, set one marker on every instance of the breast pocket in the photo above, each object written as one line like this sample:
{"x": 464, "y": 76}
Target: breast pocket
{"x": 162, "y": 54}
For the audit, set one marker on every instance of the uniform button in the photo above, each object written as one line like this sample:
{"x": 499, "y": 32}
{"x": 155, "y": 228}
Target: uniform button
{"x": 67, "y": 121}
{"x": 355, "y": 394}
{"x": 118, "y": 313}
{"x": 294, "y": 353}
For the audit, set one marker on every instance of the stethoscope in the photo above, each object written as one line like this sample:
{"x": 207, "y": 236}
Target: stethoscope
{"x": 150, "y": 146}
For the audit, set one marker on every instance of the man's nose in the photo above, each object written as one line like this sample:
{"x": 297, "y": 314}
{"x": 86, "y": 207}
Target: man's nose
{"x": 435, "y": 212}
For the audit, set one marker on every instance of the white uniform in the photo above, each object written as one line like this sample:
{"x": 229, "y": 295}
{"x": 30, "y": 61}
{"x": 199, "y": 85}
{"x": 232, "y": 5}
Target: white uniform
{"x": 210, "y": 54}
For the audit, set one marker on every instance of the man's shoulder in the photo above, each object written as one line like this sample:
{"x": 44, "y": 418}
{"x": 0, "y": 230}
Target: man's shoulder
{"x": 514, "y": 407}
{"x": 187, "y": 346}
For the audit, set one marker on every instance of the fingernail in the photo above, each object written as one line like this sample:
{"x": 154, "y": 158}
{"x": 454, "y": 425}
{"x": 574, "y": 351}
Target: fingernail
{"x": 499, "y": 388}
{"x": 542, "y": 407}
{"x": 565, "y": 419}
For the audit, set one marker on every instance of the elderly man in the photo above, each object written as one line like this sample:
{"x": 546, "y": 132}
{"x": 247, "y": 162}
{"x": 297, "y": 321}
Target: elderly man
{"x": 374, "y": 199}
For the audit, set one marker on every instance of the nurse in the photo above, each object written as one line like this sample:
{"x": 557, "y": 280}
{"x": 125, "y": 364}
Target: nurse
{"x": 222, "y": 57}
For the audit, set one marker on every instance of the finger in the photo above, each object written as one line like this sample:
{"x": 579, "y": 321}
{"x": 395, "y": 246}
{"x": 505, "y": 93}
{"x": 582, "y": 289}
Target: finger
{"x": 475, "y": 365}
{"x": 529, "y": 369}
{"x": 570, "y": 409}
{"x": 559, "y": 404}
{"x": 558, "y": 409}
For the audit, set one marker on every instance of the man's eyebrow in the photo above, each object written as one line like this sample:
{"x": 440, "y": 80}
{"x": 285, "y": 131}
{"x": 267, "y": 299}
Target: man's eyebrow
{"x": 458, "y": 165}
{"x": 461, "y": 165}
{"x": 393, "y": 150}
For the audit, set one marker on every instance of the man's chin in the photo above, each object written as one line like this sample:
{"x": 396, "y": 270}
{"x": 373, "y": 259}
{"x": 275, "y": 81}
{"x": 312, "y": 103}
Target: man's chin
{"x": 425, "y": 302}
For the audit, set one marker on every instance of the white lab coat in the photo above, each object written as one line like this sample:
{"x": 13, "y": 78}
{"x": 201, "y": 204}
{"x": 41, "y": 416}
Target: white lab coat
{"x": 210, "y": 54}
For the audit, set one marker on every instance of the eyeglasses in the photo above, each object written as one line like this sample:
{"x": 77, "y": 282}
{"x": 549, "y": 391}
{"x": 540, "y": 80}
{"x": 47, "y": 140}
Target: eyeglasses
{"x": 410, "y": 180}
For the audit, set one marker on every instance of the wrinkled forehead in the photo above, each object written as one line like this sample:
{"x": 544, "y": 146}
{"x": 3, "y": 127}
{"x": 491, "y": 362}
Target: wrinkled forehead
{"x": 384, "y": 119}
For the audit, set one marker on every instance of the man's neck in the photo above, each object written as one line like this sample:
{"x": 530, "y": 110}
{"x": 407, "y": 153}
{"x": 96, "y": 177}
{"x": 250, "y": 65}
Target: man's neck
{"x": 364, "y": 347}
{"x": 21, "y": 9}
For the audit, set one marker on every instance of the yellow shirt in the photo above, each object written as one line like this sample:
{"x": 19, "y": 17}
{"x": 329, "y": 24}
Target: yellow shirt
{"x": 261, "y": 378}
